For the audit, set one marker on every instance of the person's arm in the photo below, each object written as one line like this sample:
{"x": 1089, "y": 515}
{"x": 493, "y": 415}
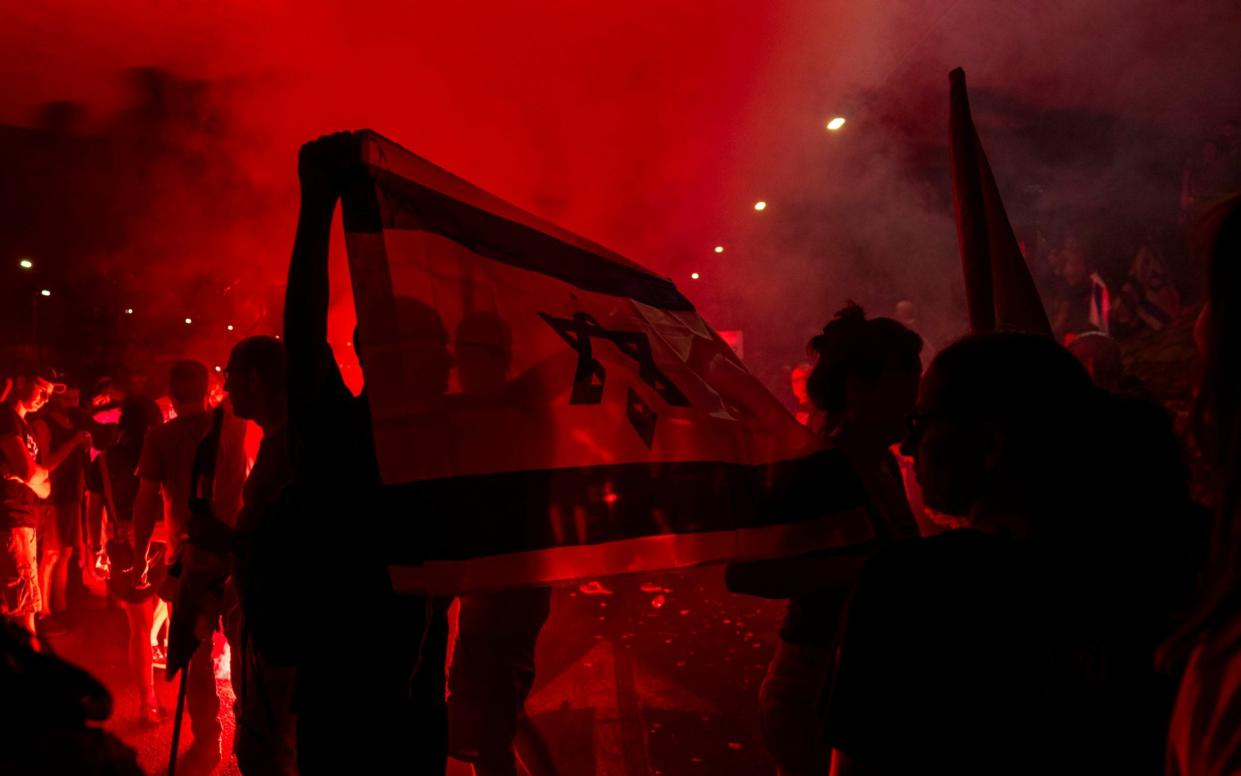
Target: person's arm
{"x": 53, "y": 461}
{"x": 307, "y": 292}
{"x": 148, "y": 510}
{"x": 149, "y": 503}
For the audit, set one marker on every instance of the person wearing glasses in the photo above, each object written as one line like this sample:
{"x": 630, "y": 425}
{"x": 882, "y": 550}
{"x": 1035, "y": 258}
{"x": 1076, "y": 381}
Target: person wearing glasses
{"x": 1024, "y": 642}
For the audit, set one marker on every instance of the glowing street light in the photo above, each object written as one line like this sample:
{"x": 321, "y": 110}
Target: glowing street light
{"x": 129, "y": 311}
{"x": 693, "y": 276}
{"x": 26, "y": 264}
{"x": 760, "y": 206}
{"x": 230, "y": 327}
{"x": 719, "y": 249}
{"x": 45, "y": 292}
{"x": 836, "y": 123}
{"x": 188, "y": 321}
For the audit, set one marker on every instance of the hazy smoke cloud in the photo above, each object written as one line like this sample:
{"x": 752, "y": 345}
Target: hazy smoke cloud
{"x": 650, "y": 128}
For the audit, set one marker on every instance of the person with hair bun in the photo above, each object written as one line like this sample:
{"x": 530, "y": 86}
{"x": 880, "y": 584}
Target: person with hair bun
{"x": 864, "y": 381}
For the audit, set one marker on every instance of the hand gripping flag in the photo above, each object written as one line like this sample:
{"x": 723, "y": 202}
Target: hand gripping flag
{"x": 544, "y": 409}
{"x": 998, "y": 288}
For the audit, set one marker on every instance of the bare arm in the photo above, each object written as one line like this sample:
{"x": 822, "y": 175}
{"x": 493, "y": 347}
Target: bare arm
{"x": 53, "y": 461}
{"x": 148, "y": 510}
{"x": 94, "y": 520}
{"x": 308, "y": 290}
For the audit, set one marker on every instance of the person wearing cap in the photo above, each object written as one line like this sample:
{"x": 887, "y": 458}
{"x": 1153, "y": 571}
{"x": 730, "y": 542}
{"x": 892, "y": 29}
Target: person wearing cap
{"x": 23, "y": 481}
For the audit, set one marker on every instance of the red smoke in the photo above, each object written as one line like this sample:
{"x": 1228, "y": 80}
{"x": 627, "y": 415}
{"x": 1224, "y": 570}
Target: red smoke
{"x": 650, "y": 126}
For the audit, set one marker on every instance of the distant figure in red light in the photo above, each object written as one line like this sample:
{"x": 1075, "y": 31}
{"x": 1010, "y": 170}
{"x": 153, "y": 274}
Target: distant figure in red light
{"x": 1073, "y": 308}
{"x": 1148, "y": 298}
{"x": 112, "y": 484}
{"x": 23, "y": 481}
{"x": 864, "y": 382}
{"x": 374, "y": 704}
{"x": 1024, "y": 643}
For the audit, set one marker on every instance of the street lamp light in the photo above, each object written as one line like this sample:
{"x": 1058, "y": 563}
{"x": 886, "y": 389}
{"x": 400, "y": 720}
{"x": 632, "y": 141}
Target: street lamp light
{"x": 26, "y": 264}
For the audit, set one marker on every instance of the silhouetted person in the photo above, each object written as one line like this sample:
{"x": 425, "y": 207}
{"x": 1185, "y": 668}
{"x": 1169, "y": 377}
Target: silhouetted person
{"x": 1024, "y": 643}
{"x": 263, "y": 682}
{"x": 360, "y": 706}
{"x": 864, "y": 382}
{"x": 50, "y": 717}
{"x": 493, "y": 662}
{"x": 166, "y": 473}
{"x": 1071, "y": 313}
{"x": 1204, "y": 738}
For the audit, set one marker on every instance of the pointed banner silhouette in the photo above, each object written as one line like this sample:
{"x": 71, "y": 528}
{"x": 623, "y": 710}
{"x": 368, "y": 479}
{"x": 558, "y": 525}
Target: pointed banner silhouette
{"x": 998, "y": 287}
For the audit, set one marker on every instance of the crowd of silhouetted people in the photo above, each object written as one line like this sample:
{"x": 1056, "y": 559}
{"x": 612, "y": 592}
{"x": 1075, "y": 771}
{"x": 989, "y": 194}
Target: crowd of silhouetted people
{"x": 1078, "y": 609}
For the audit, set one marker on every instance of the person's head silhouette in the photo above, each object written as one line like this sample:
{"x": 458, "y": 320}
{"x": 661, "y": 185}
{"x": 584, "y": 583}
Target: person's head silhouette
{"x": 423, "y": 344}
{"x": 866, "y": 375}
{"x": 1001, "y": 423}
{"x": 484, "y": 351}
{"x": 256, "y": 379}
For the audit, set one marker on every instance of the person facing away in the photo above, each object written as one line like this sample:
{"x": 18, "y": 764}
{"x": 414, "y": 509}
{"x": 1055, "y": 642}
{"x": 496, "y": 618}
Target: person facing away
{"x": 117, "y": 495}
{"x": 1021, "y": 644}
{"x": 23, "y": 481}
{"x": 165, "y": 486}
{"x": 376, "y": 714}
{"x": 492, "y": 669}
{"x": 1203, "y": 736}
{"x": 864, "y": 381}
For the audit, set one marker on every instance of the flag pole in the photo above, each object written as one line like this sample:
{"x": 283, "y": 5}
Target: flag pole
{"x": 999, "y": 290}
{"x": 178, "y": 717}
